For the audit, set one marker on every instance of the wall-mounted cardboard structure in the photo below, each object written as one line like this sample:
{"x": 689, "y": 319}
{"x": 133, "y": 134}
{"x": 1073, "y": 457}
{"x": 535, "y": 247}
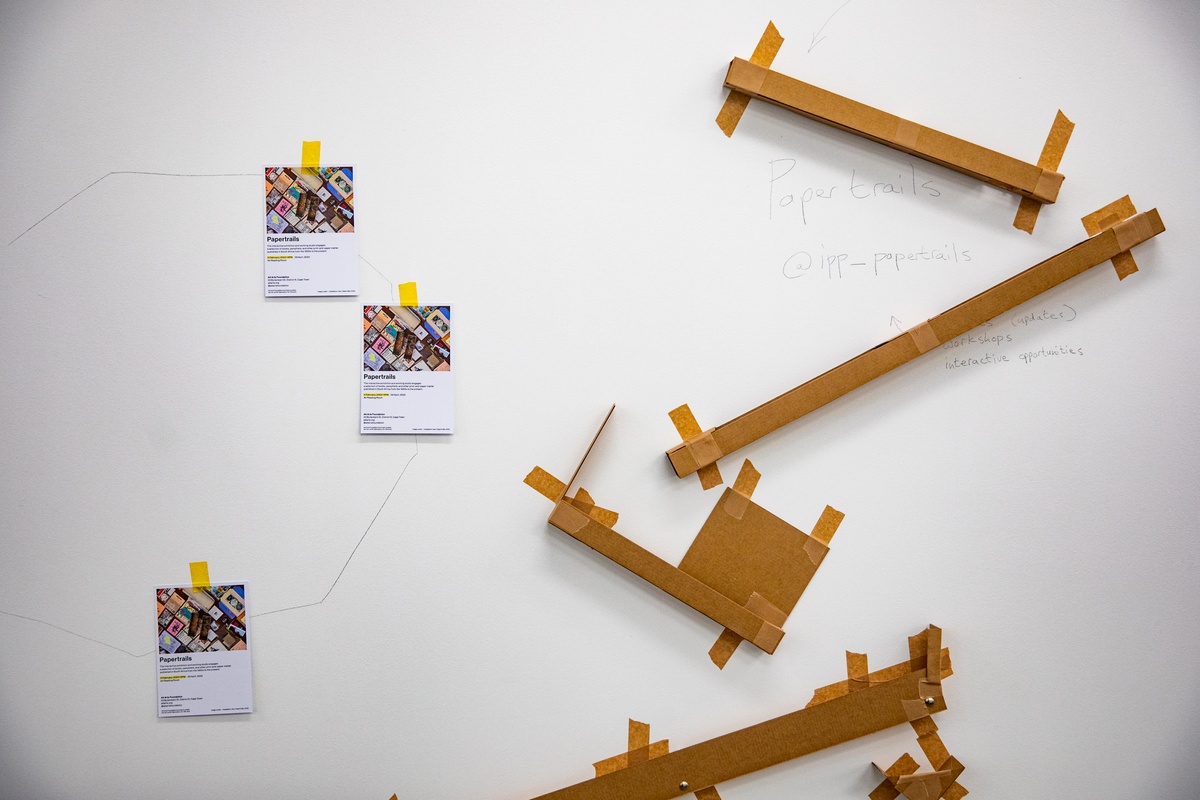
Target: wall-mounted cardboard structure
{"x": 746, "y": 568}
{"x": 864, "y": 703}
{"x": 1036, "y": 183}
{"x": 1114, "y": 229}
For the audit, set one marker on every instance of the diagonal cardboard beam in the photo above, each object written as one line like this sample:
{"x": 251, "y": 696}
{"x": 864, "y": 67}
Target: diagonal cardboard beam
{"x": 746, "y": 568}
{"x": 834, "y": 716}
{"x": 1118, "y": 228}
{"x": 754, "y": 79}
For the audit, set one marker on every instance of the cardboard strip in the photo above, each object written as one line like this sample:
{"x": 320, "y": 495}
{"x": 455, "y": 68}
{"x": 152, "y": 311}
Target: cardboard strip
{"x": 199, "y": 571}
{"x": 758, "y": 81}
{"x": 1052, "y": 153}
{"x": 815, "y": 727}
{"x": 735, "y": 104}
{"x": 879, "y": 360}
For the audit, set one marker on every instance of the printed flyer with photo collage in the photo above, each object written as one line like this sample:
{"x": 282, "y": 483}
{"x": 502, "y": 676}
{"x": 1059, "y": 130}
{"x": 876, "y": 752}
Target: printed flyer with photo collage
{"x": 310, "y": 243}
{"x": 407, "y": 382}
{"x": 203, "y": 653}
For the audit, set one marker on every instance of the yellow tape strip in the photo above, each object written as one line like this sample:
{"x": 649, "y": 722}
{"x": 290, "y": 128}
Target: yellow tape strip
{"x": 735, "y": 104}
{"x": 310, "y": 156}
{"x": 200, "y": 575}
{"x": 408, "y": 293}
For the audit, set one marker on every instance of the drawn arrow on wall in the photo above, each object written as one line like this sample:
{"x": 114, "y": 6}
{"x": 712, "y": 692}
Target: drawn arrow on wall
{"x": 817, "y": 38}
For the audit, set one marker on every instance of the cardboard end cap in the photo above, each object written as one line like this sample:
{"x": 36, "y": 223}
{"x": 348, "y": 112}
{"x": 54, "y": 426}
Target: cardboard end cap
{"x": 768, "y": 637}
{"x": 1048, "y": 185}
{"x": 745, "y": 77}
{"x": 704, "y": 448}
{"x": 1133, "y": 231}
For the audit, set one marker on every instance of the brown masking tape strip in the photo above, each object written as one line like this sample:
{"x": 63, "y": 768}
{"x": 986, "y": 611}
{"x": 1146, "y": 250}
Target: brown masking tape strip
{"x": 1056, "y": 142}
{"x": 763, "y": 56}
{"x": 704, "y": 448}
{"x": 1048, "y": 184}
{"x": 710, "y": 476}
{"x": 926, "y": 786}
{"x": 934, "y": 749}
{"x": 768, "y": 637}
{"x": 567, "y": 518}
{"x": 757, "y": 604}
{"x": 815, "y": 551}
{"x": 707, "y": 793}
{"x": 621, "y": 760}
{"x": 906, "y": 133}
{"x": 1124, "y": 264}
{"x": 1108, "y": 216}
{"x": 884, "y": 791}
{"x": 604, "y": 516}
{"x": 639, "y": 734}
{"x": 735, "y": 504}
{"x": 933, "y": 649}
{"x": 955, "y": 792}
{"x": 747, "y": 479}
{"x": 723, "y": 649}
{"x": 924, "y": 337}
{"x": 1132, "y": 231}
{"x": 684, "y": 422}
{"x": 545, "y": 484}
{"x": 915, "y": 709}
{"x": 928, "y": 689}
{"x": 856, "y": 671}
{"x": 827, "y": 525}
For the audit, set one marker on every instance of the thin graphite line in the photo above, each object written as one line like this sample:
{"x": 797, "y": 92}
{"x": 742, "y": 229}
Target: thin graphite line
{"x": 134, "y": 172}
{"x": 370, "y": 525}
{"x": 372, "y": 266}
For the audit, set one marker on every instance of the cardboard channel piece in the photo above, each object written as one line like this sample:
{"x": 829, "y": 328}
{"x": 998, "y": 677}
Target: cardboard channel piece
{"x": 831, "y": 718}
{"x": 1113, "y": 230}
{"x": 1039, "y": 183}
{"x": 746, "y": 568}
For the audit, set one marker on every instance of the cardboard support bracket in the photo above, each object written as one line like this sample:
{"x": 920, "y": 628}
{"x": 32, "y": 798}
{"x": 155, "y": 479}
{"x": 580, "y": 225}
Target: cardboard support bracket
{"x": 1037, "y": 183}
{"x": 1113, "y": 230}
{"x": 835, "y": 715}
{"x": 746, "y": 568}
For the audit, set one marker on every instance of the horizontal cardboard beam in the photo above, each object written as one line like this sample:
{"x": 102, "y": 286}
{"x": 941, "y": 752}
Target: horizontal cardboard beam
{"x": 820, "y": 725}
{"x": 770, "y": 416}
{"x": 672, "y": 580}
{"x": 997, "y": 169}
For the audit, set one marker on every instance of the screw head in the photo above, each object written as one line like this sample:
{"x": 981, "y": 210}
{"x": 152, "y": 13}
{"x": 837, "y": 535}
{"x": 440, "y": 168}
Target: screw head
{"x": 683, "y": 786}
{"x": 930, "y": 701}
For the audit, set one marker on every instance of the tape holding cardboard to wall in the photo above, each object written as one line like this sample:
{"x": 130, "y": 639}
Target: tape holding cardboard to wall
{"x": 1051, "y": 157}
{"x": 746, "y": 568}
{"x": 199, "y": 570}
{"x": 407, "y": 293}
{"x": 1113, "y": 231}
{"x": 700, "y": 446}
{"x": 640, "y": 749}
{"x": 828, "y": 720}
{"x": 310, "y": 157}
{"x": 753, "y": 79}
{"x": 763, "y": 55}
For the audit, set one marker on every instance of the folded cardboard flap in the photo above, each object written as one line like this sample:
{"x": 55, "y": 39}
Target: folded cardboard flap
{"x": 1113, "y": 230}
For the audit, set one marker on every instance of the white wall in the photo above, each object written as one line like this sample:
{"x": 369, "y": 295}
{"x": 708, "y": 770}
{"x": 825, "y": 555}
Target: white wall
{"x": 554, "y": 171}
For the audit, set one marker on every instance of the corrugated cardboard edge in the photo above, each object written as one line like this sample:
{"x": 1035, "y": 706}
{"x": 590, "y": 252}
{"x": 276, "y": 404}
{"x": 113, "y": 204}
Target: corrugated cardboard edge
{"x": 735, "y": 104}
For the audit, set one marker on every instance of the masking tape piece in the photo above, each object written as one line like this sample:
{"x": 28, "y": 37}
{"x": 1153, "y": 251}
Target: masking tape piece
{"x": 926, "y": 786}
{"x": 928, "y": 689}
{"x": 1124, "y": 264}
{"x": 747, "y": 479}
{"x": 582, "y": 496}
{"x": 815, "y": 551}
{"x": 915, "y": 709}
{"x": 906, "y": 134}
{"x": 707, "y": 793}
{"x": 568, "y": 519}
{"x": 827, "y": 525}
{"x": 1108, "y": 216}
{"x": 736, "y": 504}
{"x": 933, "y": 650}
{"x": 408, "y": 293}
{"x": 604, "y": 516}
{"x": 934, "y": 750}
{"x": 904, "y": 765}
{"x": 1132, "y": 231}
{"x": 621, "y": 760}
{"x": 710, "y": 476}
{"x": 768, "y": 637}
{"x": 639, "y": 734}
{"x": 924, "y": 726}
{"x": 763, "y": 56}
{"x": 310, "y": 156}
{"x": 924, "y": 337}
{"x": 723, "y": 649}
{"x": 1050, "y": 181}
{"x": 199, "y": 574}
{"x": 856, "y": 670}
{"x": 704, "y": 448}
{"x": 545, "y": 484}
{"x": 685, "y": 422}
{"x": 955, "y": 792}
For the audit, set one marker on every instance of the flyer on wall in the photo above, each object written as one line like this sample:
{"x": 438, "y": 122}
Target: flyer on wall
{"x": 407, "y": 383}
{"x": 203, "y": 651}
{"x": 310, "y": 244}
